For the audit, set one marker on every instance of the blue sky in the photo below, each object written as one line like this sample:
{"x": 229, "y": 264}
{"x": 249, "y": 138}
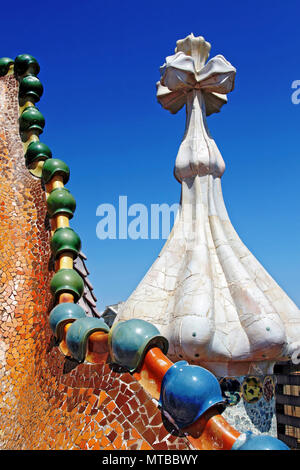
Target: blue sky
{"x": 99, "y": 65}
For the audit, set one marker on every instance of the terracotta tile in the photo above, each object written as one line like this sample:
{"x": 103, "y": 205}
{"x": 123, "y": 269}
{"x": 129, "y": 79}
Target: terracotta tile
{"x": 99, "y": 416}
{"x": 111, "y": 406}
{"x": 145, "y": 446}
{"x": 104, "y": 441}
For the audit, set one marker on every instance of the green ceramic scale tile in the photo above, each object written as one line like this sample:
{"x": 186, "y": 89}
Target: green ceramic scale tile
{"x": 30, "y": 89}
{"x": 32, "y": 120}
{"x": 79, "y": 332}
{"x": 130, "y": 340}
{"x": 53, "y": 168}
{"x": 5, "y": 63}
{"x": 26, "y": 64}
{"x": 69, "y": 281}
{"x": 65, "y": 239}
{"x": 37, "y": 151}
{"x": 61, "y": 201}
{"x": 62, "y": 314}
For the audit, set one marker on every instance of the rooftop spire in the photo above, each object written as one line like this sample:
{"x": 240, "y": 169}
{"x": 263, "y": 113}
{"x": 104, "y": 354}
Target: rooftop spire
{"x": 206, "y": 292}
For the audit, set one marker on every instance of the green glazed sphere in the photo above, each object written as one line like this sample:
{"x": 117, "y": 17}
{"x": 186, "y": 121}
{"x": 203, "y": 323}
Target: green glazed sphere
{"x": 130, "y": 340}
{"x": 67, "y": 280}
{"x": 65, "y": 239}
{"x": 61, "y": 201}
{"x": 26, "y": 63}
{"x": 64, "y": 313}
{"x": 30, "y": 88}
{"x": 55, "y": 167}
{"x": 32, "y": 119}
{"x": 37, "y": 151}
{"x": 79, "y": 333}
{"x": 5, "y": 63}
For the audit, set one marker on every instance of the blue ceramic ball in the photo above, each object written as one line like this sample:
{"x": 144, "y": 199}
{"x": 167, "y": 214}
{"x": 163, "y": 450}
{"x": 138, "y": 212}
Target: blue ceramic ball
{"x": 263, "y": 442}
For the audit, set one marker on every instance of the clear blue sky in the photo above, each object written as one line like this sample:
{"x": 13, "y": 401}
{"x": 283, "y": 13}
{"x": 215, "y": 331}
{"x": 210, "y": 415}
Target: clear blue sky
{"x": 99, "y": 65}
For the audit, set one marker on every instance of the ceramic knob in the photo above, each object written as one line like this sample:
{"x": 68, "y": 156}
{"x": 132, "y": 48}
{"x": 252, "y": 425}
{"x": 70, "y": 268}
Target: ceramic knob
{"x": 65, "y": 239}
{"x": 67, "y": 280}
{"x": 5, "y": 63}
{"x": 55, "y": 167}
{"x": 79, "y": 332}
{"x": 37, "y": 151}
{"x": 249, "y": 441}
{"x": 26, "y": 64}
{"x": 130, "y": 340}
{"x": 61, "y": 201}
{"x": 30, "y": 89}
{"x": 32, "y": 120}
{"x": 187, "y": 391}
{"x": 62, "y": 314}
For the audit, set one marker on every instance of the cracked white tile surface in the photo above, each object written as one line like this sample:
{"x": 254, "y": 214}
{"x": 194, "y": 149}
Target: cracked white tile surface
{"x": 206, "y": 292}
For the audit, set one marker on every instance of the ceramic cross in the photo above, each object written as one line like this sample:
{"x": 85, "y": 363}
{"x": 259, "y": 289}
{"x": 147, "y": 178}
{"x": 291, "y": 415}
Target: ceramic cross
{"x": 206, "y": 292}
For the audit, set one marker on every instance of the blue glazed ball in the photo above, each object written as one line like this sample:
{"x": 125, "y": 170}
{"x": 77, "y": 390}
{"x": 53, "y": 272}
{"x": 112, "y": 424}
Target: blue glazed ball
{"x": 263, "y": 443}
{"x": 63, "y": 313}
{"x": 188, "y": 391}
{"x": 129, "y": 341}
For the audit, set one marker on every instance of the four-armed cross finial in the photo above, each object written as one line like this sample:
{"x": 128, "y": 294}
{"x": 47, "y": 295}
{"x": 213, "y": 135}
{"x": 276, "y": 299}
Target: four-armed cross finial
{"x": 186, "y": 70}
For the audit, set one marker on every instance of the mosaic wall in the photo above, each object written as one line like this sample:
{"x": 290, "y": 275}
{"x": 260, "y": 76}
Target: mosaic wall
{"x": 251, "y": 403}
{"x": 48, "y": 401}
